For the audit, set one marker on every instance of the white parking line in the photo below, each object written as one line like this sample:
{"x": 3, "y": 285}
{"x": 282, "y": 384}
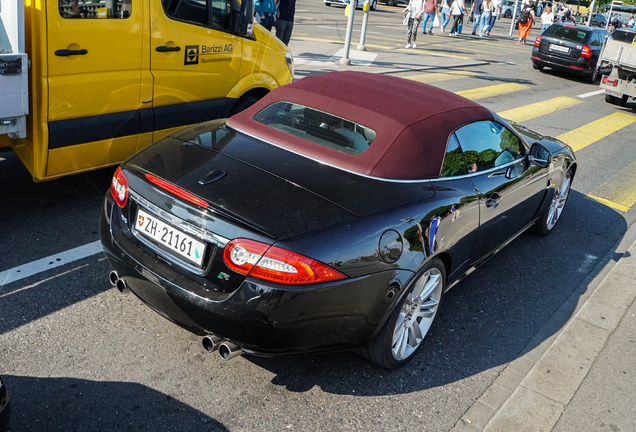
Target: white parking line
{"x": 594, "y": 93}
{"x": 50, "y": 262}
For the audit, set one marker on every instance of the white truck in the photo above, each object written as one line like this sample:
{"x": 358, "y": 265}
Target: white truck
{"x": 619, "y": 57}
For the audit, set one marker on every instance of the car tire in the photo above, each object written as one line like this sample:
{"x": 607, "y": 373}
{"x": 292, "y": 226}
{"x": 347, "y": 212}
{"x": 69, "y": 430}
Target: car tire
{"x": 622, "y": 101}
{"x": 508, "y": 14}
{"x": 610, "y": 99}
{"x": 594, "y": 76}
{"x": 538, "y": 67}
{"x": 374, "y": 5}
{"x": 242, "y": 103}
{"x": 328, "y": 4}
{"x": 552, "y": 214}
{"x": 411, "y": 319}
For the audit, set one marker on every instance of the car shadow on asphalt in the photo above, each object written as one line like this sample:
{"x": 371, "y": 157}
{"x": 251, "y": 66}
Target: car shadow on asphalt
{"x": 71, "y": 404}
{"x": 492, "y": 317}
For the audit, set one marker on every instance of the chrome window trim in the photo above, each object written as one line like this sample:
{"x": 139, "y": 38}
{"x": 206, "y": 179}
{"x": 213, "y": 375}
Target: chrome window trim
{"x": 478, "y": 173}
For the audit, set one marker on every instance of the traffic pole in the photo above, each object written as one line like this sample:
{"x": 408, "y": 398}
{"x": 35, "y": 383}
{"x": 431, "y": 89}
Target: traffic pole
{"x": 345, "y": 56}
{"x": 512, "y": 24}
{"x": 363, "y": 34}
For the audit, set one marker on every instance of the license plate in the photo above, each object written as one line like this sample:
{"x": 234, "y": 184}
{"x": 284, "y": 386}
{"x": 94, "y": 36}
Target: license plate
{"x": 174, "y": 239}
{"x": 559, "y": 48}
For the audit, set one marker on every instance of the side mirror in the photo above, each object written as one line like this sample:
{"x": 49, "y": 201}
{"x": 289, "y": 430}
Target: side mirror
{"x": 245, "y": 21}
{"x": 539, "y": 156}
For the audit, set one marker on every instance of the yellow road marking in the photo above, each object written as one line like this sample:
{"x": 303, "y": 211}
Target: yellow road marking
{"x": 433, "y": 53}
{"x": 436, "y": 77}
{"x": 495, "y": 90}
{"x": 538, "y": 109}
{"x": 611, "y": 204}
{"x": 619, "y": 192}
{"x": 584, "y": 136}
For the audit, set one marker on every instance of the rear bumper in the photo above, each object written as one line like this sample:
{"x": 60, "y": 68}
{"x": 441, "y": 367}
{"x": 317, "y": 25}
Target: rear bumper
{"x": 580, "y": 66}
{"x": 262, "y": 318}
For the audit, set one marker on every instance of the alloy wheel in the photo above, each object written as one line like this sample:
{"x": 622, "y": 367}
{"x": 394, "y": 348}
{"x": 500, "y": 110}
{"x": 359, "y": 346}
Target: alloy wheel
{"x": 558, "y": 202}
{"x": 417, "y": 314}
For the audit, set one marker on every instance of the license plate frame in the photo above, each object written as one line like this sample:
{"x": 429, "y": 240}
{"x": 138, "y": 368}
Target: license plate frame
{"x": 559, "y": 49}
{"x": 180, "y": 244}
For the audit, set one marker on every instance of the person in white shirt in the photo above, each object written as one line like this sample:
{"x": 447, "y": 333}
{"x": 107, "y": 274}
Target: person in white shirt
{"x": 547, "y": 18}
{"x": 413, "y": 15}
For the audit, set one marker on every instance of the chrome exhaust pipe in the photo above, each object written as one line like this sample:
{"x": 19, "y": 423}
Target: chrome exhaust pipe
{"x": 211, "y": 342}
{"x": 113, "y": 277}
{"x": 229, "y": 350}
{"x": 122, "y": 286}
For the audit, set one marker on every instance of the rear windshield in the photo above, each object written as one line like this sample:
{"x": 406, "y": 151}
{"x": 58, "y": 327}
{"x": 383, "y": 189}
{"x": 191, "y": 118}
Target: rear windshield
{"x": 567, "y": 33}
{"x": 317, "y": 126}
{"x": 624, "y": 36}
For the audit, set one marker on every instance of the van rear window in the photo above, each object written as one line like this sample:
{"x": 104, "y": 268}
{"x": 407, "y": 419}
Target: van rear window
{"x": 624, "y": 36}
{"x": 95, "y": 9}
{"x": 568, "y": 33}
{"x": 317, "y": 126}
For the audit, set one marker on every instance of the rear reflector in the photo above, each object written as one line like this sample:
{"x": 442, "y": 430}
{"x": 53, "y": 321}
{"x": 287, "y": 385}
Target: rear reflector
{"x": 275, "y": 264}
{"x": 176, "y": 191}
{"x": 576, "y": 67}
{"x": 612, "y": 82}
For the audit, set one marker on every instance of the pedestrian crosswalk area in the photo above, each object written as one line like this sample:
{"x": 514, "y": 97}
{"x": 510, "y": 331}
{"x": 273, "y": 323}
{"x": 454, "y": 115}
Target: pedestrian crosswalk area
{"x": 619, "y": 191}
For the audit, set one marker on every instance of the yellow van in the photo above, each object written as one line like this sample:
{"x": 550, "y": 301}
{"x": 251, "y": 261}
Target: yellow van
{"x": 108, "y": 77}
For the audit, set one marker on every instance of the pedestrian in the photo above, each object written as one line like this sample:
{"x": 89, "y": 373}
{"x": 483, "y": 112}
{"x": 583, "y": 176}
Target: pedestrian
{"x": 457, "y": 12}
{"x": 496, "y": 10}
{"x": 630, "y": 23}
{"x": 413, "y": 13}
{"x": 445, "y": 15}
{"x": 430, "y": 9}
{"x": 265, "y": 10}
{"x": 285, "y": 10}
{"x": 526, "y": 19}
{"x": 485, "y": 17}
{"x": 475, "y": 12}
{"x": 547, "y": 18}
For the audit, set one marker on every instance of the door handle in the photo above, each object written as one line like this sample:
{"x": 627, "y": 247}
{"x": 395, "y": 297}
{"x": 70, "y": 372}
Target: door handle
{"x": 494, "y": 201}
{"x": 65, "y": 52}
{"x": 167, "y": 48}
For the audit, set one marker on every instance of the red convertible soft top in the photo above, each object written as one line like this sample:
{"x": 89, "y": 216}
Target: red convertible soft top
{"x": 412, "y": 121}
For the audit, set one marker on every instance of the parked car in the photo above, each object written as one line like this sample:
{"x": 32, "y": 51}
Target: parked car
{"x": 597, "y": 20}
{"x": 5, "y": 407}
{"x": 322, "y": 219}
{"x": 373, "y": 4}
{"x": 508, "y": 7}
{"x": 572, "y": 48}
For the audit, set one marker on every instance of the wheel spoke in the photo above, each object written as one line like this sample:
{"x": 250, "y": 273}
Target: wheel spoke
{"x": 415, "y": 334}
{"x": 430, "y": 286}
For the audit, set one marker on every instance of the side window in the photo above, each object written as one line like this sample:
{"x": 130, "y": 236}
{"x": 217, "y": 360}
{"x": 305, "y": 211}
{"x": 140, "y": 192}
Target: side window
{"x": 454, "y": 162}
{"x": 488, "y": 144}
{"x": 209, "y": 13}
{"x": 95, "y": 9}
{"x": 595, "y": 40}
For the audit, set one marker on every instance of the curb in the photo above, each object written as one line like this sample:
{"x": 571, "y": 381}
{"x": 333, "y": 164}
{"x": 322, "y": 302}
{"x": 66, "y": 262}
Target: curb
{"x": 533, "y": 390}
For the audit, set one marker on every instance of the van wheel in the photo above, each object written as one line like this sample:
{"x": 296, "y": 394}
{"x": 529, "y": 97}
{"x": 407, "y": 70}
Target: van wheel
{"x": 622, "y": 101}
{"x": 537, "y": 66}
{"x": 610, "y": 99}
{"x": 243, "y": 103}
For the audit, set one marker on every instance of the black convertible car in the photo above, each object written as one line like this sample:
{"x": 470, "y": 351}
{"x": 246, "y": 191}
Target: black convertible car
{"x": 323, "y": 219}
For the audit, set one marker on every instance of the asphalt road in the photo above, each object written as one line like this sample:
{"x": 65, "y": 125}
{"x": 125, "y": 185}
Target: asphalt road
{"x": 78, "y": 355}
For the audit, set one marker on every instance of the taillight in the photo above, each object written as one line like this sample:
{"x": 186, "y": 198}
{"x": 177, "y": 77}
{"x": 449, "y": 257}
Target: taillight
{"x": 586, "y": 52}
{"x": 537, "y": 41}
{"x": 176, "y": 191}
{"x": 119, "y": 188}
{"x": 276, "y": 264}
{"x": 612, "y": 82}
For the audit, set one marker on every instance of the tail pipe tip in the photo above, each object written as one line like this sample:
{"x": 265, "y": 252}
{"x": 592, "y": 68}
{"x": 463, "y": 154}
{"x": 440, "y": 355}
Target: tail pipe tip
{"x": 229, "y": 350}
{"x": 211, "y": 342}
{"x": 117, "y": 282}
